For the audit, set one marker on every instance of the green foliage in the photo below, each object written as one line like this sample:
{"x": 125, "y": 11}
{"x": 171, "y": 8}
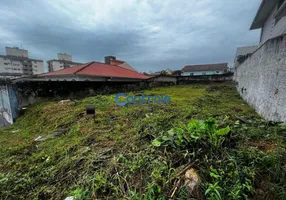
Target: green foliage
{"x": 195, "y": 131}
{"x": 141, "y": 151}
{"x": 80, "y": 194}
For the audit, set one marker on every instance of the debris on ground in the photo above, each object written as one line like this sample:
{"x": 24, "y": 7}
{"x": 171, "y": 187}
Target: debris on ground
{"x": 57, "y": 133}
{"x": 192, "y": 181}
{"x": 40, "y": 139}
{"x": 64, "y": 101}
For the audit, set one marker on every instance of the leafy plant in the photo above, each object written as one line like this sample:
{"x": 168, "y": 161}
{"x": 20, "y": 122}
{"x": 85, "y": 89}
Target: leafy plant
{"x": 195, "y": 131}
{"x": 215, "y": 136}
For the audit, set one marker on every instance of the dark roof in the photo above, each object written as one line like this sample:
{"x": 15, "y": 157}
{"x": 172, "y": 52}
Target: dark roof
{"x": 262, "y": 14}
{"x": 20, "y": 58}
{"x": 98, "y": 69}
{"x": 205, "y": 67}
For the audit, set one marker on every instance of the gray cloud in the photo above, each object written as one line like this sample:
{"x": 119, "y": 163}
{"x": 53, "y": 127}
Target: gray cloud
{"x": 150, "y": 35}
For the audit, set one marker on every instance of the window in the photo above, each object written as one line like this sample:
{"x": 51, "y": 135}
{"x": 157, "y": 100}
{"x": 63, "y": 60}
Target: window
{"x": 191, "y": 74}
{"x": 204, "y": 73}
{"x": 6, "y": 63}
{"x": 217, "y": 72}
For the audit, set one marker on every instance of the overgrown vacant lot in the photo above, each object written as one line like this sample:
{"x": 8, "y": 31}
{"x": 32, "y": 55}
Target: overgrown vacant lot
{"x": 144, "y": 151}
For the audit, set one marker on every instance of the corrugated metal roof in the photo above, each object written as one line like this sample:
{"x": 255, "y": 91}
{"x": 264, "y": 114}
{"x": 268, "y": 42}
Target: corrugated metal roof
{"x": 98, "y": 69}
{"x": 205, "y": 67}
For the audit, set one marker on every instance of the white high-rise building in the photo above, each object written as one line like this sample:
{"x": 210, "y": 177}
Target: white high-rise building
{"x": 64, "y": 61}
{"x": 16, "y": 63}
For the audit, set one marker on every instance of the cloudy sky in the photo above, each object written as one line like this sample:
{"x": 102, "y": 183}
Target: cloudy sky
{"x": 151, "y": 35}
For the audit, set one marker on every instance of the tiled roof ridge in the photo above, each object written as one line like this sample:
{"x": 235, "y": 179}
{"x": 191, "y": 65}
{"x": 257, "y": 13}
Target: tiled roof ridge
{"x": 86, "y": 65}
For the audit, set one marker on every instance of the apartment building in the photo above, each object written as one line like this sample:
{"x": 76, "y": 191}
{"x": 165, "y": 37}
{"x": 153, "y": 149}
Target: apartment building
{"x": 64, "y": 61}
{"x": 16, "y": 63}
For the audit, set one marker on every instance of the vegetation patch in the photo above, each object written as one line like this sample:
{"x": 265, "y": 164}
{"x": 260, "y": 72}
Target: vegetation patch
{"x": 206, "y": 144}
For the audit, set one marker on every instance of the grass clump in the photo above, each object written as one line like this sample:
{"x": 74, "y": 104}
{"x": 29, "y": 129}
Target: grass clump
{"x": 143, "y": 151}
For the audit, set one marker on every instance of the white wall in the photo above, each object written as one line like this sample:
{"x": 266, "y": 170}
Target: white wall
{"x": 262, "y": 79}
{"x": 38, "y": 67}
{"x": 57, "y": 65}
{"x": 271, "y": 28}
{"x": 198, "y": 73}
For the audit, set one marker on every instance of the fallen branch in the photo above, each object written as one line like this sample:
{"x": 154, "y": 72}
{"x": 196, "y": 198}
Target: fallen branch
{"x": 176, "y": 185}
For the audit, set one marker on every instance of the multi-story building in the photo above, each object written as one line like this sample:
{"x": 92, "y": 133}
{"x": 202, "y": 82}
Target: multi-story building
{"x": 17, "y": 63}
{"x": 63, "y": 61}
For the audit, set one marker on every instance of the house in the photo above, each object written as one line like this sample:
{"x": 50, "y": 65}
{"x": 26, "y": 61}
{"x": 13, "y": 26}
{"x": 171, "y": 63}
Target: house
{"x": 242, "y": 53}
{"x": 271, "y": 18}
{"x": 16, "y": 63}
{"x": 93, "y": 71}
{"x": 206, "y": 69}
{"x": 64, "y": 61}
{"x": 111, "y": 60}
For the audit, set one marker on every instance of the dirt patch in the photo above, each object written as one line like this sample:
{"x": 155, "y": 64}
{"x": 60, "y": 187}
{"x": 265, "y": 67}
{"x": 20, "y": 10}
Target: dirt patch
{"x": 84, "y": 129}
{"x": 263, "y": 189}
{"x": 264, "y": 146}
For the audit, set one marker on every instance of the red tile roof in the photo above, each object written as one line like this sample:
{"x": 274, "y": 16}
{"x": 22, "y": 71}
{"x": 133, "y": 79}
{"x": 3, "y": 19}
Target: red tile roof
{"x": 205, "y": 67}
{"x": 98, "y": 69}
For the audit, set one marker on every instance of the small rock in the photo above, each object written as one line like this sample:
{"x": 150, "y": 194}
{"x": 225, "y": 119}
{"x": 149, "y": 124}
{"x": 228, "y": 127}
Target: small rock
{"x": 192, "y": 181}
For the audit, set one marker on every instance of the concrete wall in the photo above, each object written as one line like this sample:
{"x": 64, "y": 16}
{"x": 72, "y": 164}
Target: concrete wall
{"x": 262, "y": 79}
{"x": 241, "y": 51}
{"x": 16, "y": 52}
{"x": 198, "y": 73}
{"x": 273, "y": 28}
